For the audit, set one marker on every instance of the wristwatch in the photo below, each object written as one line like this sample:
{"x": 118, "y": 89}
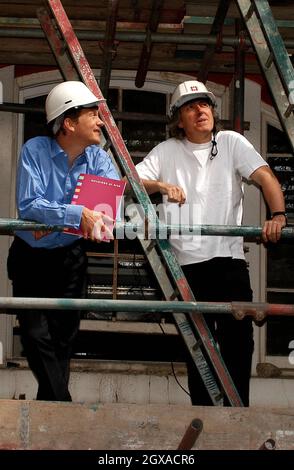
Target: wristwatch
{"x": 280, "y": 213}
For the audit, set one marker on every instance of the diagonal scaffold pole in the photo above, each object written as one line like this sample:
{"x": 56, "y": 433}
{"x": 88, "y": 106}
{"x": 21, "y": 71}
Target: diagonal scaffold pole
{"x": 273, "y": 58}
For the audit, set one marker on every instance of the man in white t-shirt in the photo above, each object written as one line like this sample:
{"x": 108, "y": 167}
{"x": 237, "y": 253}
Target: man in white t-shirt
{"x": 202, "y": 171}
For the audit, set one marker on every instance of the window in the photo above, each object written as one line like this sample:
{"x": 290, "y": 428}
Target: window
{"x": 142, "y": 136}
{"x": 280, "y": 257}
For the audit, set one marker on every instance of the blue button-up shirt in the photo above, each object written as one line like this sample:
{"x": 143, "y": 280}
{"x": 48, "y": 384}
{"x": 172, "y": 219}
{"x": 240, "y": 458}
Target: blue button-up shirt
{"x": 45, "y": 186}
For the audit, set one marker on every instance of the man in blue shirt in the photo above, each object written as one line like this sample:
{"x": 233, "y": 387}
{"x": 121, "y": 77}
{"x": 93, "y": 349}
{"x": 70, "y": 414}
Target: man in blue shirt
{"x": 54, "y": 265}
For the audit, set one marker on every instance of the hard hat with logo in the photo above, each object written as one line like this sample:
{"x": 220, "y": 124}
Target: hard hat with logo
{"x": 188, "y": 91}
{"x": 67, "y": 95}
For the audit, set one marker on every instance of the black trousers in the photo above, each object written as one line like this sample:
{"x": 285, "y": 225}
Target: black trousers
{"x": 47, "y": 336}
{"x": 223, "y": 280}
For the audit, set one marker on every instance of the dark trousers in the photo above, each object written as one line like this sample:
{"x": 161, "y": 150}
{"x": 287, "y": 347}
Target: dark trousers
{"x": 47, "y": 336}
{"x": 223, "y": 280}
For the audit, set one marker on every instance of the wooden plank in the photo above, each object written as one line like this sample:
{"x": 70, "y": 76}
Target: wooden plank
{"x": 46, "y": 425}
{"x": 127, "y": 327}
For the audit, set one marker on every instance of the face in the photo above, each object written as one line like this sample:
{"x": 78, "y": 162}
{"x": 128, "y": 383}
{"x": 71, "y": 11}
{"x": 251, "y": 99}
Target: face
{"x": 196, "y": 118}
{"x": 87, "y": 127}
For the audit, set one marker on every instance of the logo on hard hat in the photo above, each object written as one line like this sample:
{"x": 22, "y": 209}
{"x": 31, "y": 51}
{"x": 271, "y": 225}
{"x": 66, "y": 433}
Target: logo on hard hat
{"x": 194, "y": 88}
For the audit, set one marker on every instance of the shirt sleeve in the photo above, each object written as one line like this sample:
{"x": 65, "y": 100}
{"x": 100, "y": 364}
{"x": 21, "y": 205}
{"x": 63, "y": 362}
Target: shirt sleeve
{"x": 246, "y": 158}
{"x": 36, "y": 197}
{"x": 106, "y": 167}
{"x": 149, "y": 168}
{"x": 31, "y": 191}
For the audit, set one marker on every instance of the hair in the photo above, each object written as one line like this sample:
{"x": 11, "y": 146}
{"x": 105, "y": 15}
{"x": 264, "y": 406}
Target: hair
{"x": 179, "y": 133}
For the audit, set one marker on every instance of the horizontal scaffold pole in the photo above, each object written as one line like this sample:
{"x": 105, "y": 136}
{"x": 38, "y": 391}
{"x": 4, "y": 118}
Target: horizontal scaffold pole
{"x": 131, "y": 36}
{"x": 161, "y": 231}
{"x": 238, "y": 309}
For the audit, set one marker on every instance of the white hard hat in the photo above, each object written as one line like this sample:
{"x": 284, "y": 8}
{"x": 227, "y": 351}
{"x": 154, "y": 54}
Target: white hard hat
{"x": 68, "y": 95}
{"x": 188, "y": 91}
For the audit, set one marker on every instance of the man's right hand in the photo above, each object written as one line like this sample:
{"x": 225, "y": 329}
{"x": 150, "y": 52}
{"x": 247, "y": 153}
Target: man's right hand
{"x": 96, "y": 226}
{"x": 174, "y": 193}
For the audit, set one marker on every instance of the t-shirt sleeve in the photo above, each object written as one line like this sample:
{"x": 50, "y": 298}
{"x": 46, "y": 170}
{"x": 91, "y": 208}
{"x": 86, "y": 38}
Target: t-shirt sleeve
{"x": 246, "y": 158}
{"x": 149, "y": 168}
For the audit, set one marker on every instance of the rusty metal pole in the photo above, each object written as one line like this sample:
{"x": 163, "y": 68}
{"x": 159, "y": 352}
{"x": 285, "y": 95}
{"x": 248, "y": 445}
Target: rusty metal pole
{"x": 216, "y": 30}
{"x": 269, "y": 444}
{"x": 56, "y": 44}
{"x": 253, "y": 233}
{"x": 147, "y": 45}
{"x": 191, "y": 435}
{"x": 108, "y": 47}
{"x": 239, "y": 80}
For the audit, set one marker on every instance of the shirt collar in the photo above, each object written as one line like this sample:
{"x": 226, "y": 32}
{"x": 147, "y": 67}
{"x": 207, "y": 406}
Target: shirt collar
{"x": 57, "y": 150}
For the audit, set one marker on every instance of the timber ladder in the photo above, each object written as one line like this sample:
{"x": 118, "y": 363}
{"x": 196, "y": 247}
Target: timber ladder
{"x": 273, "y": 59}
{"x": 278, "y": 71}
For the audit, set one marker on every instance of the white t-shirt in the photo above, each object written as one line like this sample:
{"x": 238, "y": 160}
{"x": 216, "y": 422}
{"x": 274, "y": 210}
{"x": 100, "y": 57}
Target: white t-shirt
{"x": 213, "y": 188}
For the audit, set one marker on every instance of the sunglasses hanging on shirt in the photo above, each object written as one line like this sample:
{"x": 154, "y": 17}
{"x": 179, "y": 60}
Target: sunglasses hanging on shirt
{"x": 214, "y": 150}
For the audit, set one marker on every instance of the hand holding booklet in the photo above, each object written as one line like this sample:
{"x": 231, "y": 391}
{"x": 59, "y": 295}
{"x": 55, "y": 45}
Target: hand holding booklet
{"x": 102, "y": 195}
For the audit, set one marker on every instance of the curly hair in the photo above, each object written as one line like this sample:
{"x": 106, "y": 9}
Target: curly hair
{"x": 179, "y": 133}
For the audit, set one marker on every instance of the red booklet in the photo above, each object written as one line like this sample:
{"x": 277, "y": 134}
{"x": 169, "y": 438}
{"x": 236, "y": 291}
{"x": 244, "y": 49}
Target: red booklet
{"x": 99, "y": 194}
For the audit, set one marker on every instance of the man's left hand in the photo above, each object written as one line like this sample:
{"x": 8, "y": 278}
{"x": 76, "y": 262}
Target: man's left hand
{"x": 272, "y": 229}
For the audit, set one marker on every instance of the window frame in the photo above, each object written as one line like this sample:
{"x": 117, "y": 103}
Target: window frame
{"x": 268, "y": 117}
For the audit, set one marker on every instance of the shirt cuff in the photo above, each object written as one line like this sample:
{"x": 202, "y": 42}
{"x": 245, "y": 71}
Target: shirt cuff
{"x": 73, "y": 214}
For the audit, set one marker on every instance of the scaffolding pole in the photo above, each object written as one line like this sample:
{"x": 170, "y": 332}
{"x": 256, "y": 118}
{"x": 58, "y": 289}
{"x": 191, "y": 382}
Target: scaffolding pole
{"x": 238, "y": 309}
{"x": 161, "y": 231}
